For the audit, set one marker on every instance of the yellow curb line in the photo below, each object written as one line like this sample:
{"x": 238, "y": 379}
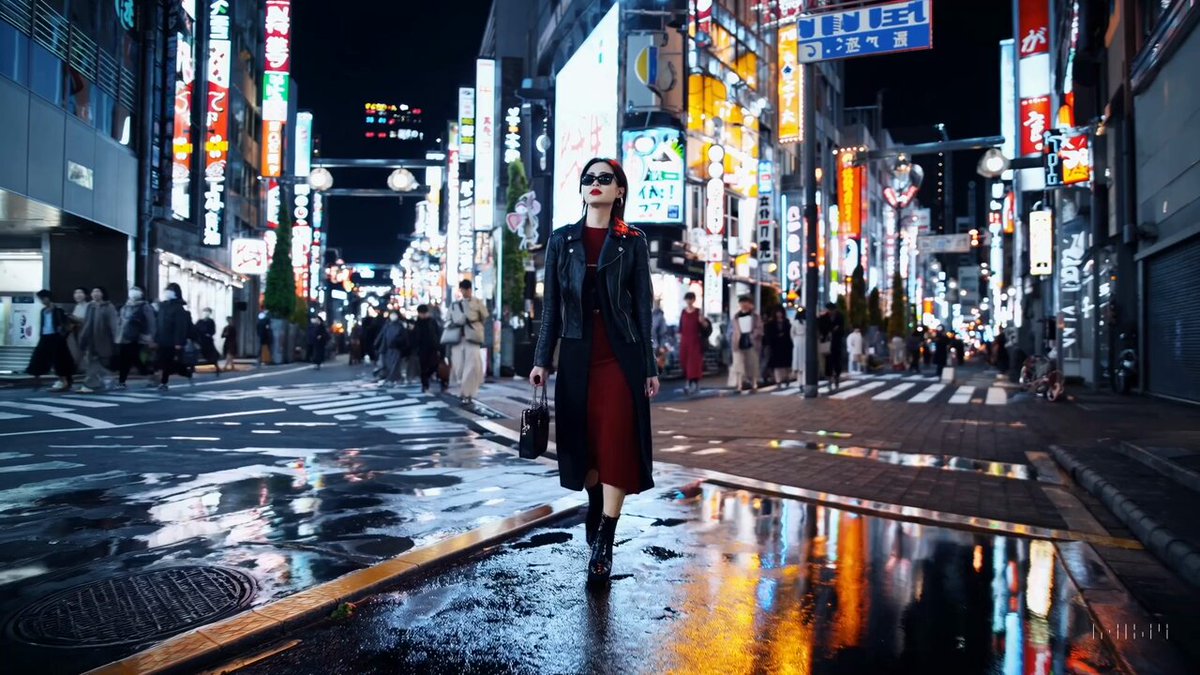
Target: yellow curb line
{"x": 230, "y": 637}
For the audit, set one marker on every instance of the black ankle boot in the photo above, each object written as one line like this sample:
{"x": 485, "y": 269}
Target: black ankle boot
{"x": 595, "y": 509}
{"x": 600, "y": 566}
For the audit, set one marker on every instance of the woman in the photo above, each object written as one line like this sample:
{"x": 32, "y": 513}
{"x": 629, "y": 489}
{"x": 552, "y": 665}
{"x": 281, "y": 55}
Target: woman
{"x": 75, "y": 319}
{"x": 51, "y": 352}
{"x": 229, "y": 343}
{"x": 206, "y": 332}
{"x": 137, "y": 331}
{"x": 318, "y": 337}
{"x": 392, "y": 346}
{"x": 778, "y": 336}
{"x": 98, "y": 339}
{"x": 799, "y": 345}
{"x": 598, "y": 300}
{"x": 692, "y": 325}
{"x": 746, "y": 342}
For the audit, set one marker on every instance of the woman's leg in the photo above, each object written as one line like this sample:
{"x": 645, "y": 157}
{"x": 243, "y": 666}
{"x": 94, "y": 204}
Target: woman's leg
{"x": 614, "y": 499}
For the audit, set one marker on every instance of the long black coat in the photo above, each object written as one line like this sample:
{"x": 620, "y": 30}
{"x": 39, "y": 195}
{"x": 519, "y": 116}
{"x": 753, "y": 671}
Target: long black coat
{"x": 624, "y": 270}
{"x": 174, "y": 324}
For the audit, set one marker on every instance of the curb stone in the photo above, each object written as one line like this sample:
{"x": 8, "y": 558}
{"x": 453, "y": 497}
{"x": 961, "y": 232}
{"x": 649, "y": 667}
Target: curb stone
{"x": 1185, "y": 477}
{"x": 1178, "y": 554}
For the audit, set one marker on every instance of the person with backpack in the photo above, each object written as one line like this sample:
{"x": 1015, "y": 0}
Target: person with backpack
{"x": 694, "y": 331}
{"x": 392, "y": 345}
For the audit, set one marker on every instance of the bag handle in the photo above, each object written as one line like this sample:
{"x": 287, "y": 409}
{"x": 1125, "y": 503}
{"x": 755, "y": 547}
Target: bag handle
{"x": 533, "y": 401}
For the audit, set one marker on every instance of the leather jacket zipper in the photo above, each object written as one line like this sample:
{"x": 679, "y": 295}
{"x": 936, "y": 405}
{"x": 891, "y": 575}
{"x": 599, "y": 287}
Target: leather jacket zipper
{"x": 628, "y": 321}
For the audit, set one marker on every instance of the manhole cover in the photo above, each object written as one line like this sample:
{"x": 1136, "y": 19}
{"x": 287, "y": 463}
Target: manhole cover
{"x": 134, "y": 608}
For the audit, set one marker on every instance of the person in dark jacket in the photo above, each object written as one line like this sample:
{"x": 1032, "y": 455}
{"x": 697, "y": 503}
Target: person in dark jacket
{"x": 98, "y": 340}
{"x": 392, "y": 345}
{"x": 318, "y": 337}
{"x": 174, "y": 327}
{"x": 778, "y": 337}
{"x": 52, "y": 352}
{"x": 137, "y": 331}
{"x": 206, "y": 334}
{"x": 428, "y": 343}
{"x": 941, "y": 345}
{"x": 265, "y": 337}
{"x": 835, "y": 323}
{"x": 597, "y": 307}
{"x": 913, "y": 347}
{"x": 229, "y": 342}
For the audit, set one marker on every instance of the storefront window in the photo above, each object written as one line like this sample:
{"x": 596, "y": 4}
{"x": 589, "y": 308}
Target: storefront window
{"x": 14, "y": 53}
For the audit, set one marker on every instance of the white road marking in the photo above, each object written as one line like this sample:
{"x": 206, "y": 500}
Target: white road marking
{"x": 90, "y": 422}
{"x": 962, "y": 395}
{"x": 71, "y": 400}
{"x": 868, "y": 386}
{"x": 11, "y": 416}
{"x": 41, "y": 466}
{"x": 996, "y": 396}
{"x": 30, "y": 407}
{"x": 893, "y": 392}
{"x": 361, "y": 406}
{"x": 125, "y": 398}
{"x": 267, "y": 411}
{"x": 344, "y": 402}
{"x": 928, "y": 393}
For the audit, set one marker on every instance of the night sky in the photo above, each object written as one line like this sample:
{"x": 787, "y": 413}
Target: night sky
{"x": 352, "y": 51}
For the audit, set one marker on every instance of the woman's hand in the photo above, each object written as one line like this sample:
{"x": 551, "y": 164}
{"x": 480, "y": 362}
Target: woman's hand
{"x": 652, "y": 387}
{"x": 537, "y": 376}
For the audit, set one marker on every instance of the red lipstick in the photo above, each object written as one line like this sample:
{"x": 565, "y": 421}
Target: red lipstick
{"x": 597, "y": 191}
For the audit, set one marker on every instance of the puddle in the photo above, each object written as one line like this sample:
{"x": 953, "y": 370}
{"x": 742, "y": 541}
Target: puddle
{"x": 916, "y": 459}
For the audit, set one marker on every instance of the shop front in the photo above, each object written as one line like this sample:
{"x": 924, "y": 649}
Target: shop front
{"x": 204, "y": 285}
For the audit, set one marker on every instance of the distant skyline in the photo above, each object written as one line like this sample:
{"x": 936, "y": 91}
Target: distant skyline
{"x": 394, "y": 53}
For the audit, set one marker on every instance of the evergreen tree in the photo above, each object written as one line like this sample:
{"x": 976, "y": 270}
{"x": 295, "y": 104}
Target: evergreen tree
{"x": 515, "y": 257}
{"x": 858, "y": 300}
{"x": 874, "y": 310}
{"x": 279, "y": 299}
{"x": 898, "y": 319}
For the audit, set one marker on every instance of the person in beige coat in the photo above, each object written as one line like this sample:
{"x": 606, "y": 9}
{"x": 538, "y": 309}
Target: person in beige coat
{"x": 98, "y": 339}
{"x": 466, "y": 361}
{"x": 747, "y": 344}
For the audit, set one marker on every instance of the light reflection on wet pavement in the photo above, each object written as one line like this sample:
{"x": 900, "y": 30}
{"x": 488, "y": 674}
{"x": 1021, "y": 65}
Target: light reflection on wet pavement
{"x": 726, "y": 581}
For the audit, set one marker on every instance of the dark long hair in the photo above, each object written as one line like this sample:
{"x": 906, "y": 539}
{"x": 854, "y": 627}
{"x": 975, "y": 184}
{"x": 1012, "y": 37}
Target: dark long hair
{"x": 622, "y": 182}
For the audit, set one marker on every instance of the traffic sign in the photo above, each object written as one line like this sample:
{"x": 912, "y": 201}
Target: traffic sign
{"x": 866, "y": 31}
{"x": 944, "y": 243}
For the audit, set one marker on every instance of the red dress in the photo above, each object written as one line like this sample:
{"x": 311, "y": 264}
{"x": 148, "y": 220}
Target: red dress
{"x": 691, "y": 345}
{"x": 613, "y": 447}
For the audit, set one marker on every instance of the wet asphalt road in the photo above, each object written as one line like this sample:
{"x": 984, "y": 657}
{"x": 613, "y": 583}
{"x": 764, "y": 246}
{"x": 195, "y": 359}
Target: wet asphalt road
{"x": 293, "y": 480}
{"x": 714, "y": 580}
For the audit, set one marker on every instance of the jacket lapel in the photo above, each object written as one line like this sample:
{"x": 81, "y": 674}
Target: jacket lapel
{"x": 614, "y": 248}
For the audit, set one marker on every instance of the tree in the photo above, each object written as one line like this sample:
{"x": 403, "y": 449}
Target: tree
{"x": 858, "y": 300}
{"x": 898, "y": 319}
{"x": 874, "y": 310}
{"x": 515, "y": 257}
{"x": 280, "y": 297}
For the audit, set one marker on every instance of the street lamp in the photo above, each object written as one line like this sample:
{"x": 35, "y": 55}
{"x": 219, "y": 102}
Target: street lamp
{"x": 320, "y": 179}
{"x": 992, "y": 164}
{"x": 401, "y": 180}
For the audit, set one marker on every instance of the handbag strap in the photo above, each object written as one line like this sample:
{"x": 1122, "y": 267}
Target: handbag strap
{"x": 534, "y": 399}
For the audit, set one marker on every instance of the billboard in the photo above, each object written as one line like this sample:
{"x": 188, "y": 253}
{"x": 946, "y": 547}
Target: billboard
{"x": 216, "y": 123}
{"x": 1041, "y": 243}
{"x": 850, "y": 195}
{"x": 1066, "y": 158}
{"x": 304, "y": 143}
{"x": 791, "y": 86}
{"x": 466, "y": 124}
{"x": 654, "y": 162}
{"x": 181, "y": 138}
{"x": 277, "y": 60}
{"x": 485, "y": 144}
{"x": 866, "y": 31}
{"x": 249, "y": 256}
{"x": 586, "y": 119}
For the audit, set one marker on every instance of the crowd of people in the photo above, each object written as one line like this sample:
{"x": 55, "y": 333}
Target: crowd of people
{"x": 105, "y": 344}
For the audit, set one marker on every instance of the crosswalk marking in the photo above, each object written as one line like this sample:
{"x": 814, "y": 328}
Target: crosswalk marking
{"x": 31, "y": 407}
{"x": 893, "y": 392}
{"x": 928, "y": 393}
{"x": 11, "y": 416}
{"x": 962, "y": 395}
{"x": 361, "y": 407}
{"x": 862, "y": 389}
{"x": 996, "y": 396}
{"x": 342, "y": 402}
{"x": 72, "y": 400}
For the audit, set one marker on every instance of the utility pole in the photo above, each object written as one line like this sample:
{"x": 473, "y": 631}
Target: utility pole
{"x": 809, "y": 171}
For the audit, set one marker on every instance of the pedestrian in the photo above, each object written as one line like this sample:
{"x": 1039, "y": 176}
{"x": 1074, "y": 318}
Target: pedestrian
{"x": 799, "y": 345}
{"x": 854, "y": 348}
{"x": 941, "y": 346}
{"x": 1001, "y": 347}
{"x": 97, "y": 340}
{"x": 229, "y": 343}
{"x": 746, "y": 344}
{"x": 692, "y": 326}
{"x": 427, "y": 339}
{"x": 356, "y": 344}
{"x": 778, "y": 336}
{"x": 136, "y": 332}
{"x": 52, "y": 352}
{"x": 835, "y": 335}
{"x": 265, "y": 338}
{"x": 913, "y": 348}
{"x": 81, "y": 297}
{"x": 896, "y": 352}
{"x": 206, "y": 334}
{"x": 318, "y": 338}
{"x": 391, "y": 345}
{"x": 171, "y": 335}
{"x": 598, "y": 297}
{"x": 468, "y": 314}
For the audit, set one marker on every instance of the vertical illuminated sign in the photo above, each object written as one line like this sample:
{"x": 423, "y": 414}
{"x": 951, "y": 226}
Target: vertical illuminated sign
{"x": 1041, "y": 243}
{"x": 850, "y": 201}
{"x": 791, "y": 83}
{"x": 449, "y": 263}
{"x": 216, "y": 122}
{"x": 181, "y": 138}
{"x": 277, "y": 65}
{"x": 485, "y": 144}
{"x": 304, "y": 121}
{"x": 512, "y": 134}
{"x": 1033, "y": 79}
{"x": 466, "y": 124}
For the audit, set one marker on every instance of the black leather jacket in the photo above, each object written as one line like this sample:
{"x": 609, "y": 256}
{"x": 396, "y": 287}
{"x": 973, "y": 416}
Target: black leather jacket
{"x": 624, "y": 269}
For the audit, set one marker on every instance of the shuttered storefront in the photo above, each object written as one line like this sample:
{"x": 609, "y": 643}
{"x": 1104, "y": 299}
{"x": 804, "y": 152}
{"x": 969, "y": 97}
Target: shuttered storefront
{"x": 1172, "y": 328}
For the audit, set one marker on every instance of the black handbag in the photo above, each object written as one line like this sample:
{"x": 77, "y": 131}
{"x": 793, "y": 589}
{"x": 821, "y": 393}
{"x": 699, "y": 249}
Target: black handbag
{"x": 535, "y": 426}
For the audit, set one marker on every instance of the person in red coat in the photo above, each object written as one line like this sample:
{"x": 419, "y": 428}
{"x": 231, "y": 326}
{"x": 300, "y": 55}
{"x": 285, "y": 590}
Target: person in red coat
{"x": 692, "y": 326}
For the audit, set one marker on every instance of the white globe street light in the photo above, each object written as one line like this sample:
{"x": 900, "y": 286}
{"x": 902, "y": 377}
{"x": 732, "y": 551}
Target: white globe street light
{"x": 992, "y": 164}
{"x": 320, "y": 179}
{"x": 401, "y": 180}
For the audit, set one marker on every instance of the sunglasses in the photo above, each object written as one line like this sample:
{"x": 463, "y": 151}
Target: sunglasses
{"x": 603, "y": 179}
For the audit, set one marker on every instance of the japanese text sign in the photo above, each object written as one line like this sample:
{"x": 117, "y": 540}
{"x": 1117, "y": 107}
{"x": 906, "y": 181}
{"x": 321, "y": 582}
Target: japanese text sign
{"x": 865, "y": 31}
